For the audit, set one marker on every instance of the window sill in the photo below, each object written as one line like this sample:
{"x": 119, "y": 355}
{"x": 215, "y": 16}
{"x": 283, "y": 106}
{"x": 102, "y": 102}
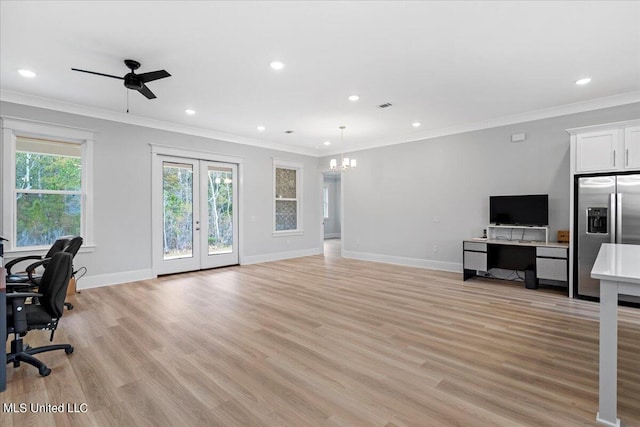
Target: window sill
{"x": 16, "y": 253}
{"x": 288, "y": 233}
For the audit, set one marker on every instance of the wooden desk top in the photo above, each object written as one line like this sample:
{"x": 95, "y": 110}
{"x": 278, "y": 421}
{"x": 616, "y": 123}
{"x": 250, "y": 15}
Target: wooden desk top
{"x": 519, "y": 243}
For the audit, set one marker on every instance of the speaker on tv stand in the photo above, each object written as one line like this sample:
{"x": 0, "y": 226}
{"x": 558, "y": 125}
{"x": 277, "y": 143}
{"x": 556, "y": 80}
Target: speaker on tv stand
{"x": 530, "y": 281}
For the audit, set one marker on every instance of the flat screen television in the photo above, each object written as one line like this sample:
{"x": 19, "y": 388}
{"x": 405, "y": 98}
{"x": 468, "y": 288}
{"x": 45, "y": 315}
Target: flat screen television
{"x": 519, "y": 210}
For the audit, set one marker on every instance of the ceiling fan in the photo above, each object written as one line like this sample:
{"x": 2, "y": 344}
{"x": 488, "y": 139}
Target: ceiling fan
{"x": 135, "y": 81}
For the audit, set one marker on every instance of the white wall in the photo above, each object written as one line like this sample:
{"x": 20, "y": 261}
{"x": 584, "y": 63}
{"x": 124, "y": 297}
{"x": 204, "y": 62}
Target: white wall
{"x": 332, "y": 225}
{"x": 122, "y": 188}
{"x": 414, "y": 203}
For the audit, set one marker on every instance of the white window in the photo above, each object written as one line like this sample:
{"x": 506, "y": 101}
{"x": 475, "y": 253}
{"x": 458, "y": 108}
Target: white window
{"x": 46, "y": 184}
{"x": 325, "y": 202}
{"x": 287, "y": 192}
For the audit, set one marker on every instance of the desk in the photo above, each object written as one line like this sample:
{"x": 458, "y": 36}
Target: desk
{"x": 3, "y": 328}
{"x": 539, "y": 260}
{"x": 618, "y": 268}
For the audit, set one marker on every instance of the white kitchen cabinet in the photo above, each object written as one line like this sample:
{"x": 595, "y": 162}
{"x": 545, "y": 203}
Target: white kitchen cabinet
{"x": 613, "y": 147}
{"x": 598, "y": 151}
{"x": 632, "y": 148}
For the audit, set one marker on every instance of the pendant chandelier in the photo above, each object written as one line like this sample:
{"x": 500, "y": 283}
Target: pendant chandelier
{"x": 345, "y": 162}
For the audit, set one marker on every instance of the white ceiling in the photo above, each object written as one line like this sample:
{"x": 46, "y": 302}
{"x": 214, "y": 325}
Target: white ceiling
{"x": 452, "y": 66}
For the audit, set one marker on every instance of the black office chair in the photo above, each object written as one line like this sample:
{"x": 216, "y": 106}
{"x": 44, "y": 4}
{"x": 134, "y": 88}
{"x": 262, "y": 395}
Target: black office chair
{"x": 30, "y": 279}
{"x": 70, "y": 244}
{"x": 23, "y": 317}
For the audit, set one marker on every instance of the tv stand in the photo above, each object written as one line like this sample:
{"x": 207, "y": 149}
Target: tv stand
{"x": 493, "y": 231}
{"x": 542, "y": 262}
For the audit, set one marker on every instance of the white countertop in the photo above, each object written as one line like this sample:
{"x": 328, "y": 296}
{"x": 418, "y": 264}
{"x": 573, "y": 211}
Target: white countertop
{"x": 620, "y": 263}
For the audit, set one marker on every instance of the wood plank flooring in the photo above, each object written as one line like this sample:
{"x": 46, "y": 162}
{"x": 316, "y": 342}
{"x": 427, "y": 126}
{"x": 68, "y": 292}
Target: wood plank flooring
{"x": 326, "y": 341}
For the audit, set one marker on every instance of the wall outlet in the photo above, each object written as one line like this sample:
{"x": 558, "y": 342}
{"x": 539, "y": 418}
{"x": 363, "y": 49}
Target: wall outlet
{"x": 436, "y": 218}
{"x": 518, "y": 137}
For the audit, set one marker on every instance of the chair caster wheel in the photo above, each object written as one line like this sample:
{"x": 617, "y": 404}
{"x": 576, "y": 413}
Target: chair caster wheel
{"x": 44, "y": 371}
{"x": 68, "y": 350}
{"x": 68, "y": 305}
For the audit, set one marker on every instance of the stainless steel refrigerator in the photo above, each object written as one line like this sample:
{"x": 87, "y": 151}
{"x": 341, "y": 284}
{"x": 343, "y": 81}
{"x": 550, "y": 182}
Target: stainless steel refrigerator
{"x": 608, "y": 211}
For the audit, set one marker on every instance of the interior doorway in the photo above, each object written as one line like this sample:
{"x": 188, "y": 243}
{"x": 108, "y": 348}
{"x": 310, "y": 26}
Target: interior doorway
{"x": 332, "y": 205}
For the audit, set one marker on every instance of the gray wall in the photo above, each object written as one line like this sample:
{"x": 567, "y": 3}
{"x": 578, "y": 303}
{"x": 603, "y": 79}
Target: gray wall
{"x": 332, "y": 225}
{"x": 410, "y": 203}
{"x": 122, "y": 188}
{"x": 414, "y": 203}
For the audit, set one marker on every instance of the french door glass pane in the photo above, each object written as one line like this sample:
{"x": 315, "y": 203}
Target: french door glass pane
{"x": 220, "y": 210}
{"x": 177, "y": 195}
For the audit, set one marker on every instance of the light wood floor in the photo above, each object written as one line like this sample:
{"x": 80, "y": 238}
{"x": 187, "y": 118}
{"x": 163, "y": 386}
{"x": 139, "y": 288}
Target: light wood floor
{"x": 325, "y": 341}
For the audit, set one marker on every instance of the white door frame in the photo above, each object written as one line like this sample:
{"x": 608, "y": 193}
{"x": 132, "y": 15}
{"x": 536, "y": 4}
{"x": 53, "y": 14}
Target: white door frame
{"x": 186, "y": 263}
{"x": 158, "y": 150}
{"x": 220, "y": 259}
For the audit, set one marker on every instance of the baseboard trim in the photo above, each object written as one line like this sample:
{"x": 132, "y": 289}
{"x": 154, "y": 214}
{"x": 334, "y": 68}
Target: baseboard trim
{"x": 332, "y": 235}
{"x": 453, "y": 267}
{"x": 278, "y": 256}
{"x": 100, "y": 280}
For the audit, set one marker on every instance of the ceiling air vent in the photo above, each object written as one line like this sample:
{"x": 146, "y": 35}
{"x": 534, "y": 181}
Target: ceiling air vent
{"x": 385, "y": 105}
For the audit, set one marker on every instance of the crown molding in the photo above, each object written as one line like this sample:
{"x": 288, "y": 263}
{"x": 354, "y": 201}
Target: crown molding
{"x": 561, "y": 110}
{"x": 98, "y": 113}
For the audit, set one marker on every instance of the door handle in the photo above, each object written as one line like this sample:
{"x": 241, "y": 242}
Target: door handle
{"x": 626, "y": 157}
{"x": 612, "y": 217}
{"x": 619, "y": 218}
{"x": 614, "y": 158}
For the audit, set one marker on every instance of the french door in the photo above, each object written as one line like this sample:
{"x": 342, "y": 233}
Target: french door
{"x": 198, "y": 219}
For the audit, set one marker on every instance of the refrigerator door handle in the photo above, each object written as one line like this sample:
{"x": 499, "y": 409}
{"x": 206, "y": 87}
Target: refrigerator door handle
{"x": 612, "y": 217}
{"x": 619, "y": 218}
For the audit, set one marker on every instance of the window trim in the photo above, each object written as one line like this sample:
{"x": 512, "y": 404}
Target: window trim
{"x": 298, "y": 167}
{"x": 12, "y": 128}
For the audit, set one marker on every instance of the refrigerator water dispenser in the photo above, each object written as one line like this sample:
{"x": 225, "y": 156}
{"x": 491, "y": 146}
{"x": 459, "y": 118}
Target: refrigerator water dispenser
{"x": 597, "y": 221}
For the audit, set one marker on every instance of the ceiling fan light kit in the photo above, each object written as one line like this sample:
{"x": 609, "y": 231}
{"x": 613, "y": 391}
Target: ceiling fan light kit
{"x": 135, "y": 81}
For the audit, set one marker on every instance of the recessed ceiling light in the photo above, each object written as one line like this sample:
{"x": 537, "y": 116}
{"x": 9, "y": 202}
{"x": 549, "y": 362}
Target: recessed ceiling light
{"x": 27, "y": 73}
{"x": 354, "y": 98}
{"x": 190, "y": 112}
{"x": 583, "y": 81}
{"x": 277, "y": 65}
{"x": 327, "y": 143}
{"x": 416, "y": 124}
{"x": 261, "y": 128}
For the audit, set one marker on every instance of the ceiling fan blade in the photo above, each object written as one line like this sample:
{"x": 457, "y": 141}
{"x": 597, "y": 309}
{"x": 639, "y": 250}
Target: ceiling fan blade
{"x": 146, "y": 92}
{"x": 153, "y": 75}
{"x": 98, "y": 74}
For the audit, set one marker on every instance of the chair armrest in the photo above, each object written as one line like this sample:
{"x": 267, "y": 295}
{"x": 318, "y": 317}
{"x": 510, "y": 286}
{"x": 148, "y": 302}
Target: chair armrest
{"x": 32, "y": 268}
{"x": 13, "y": 262}
{"x": 15, "y": 287}
{"x": 23, "y": 295}
{"x": 19, "y": 317}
